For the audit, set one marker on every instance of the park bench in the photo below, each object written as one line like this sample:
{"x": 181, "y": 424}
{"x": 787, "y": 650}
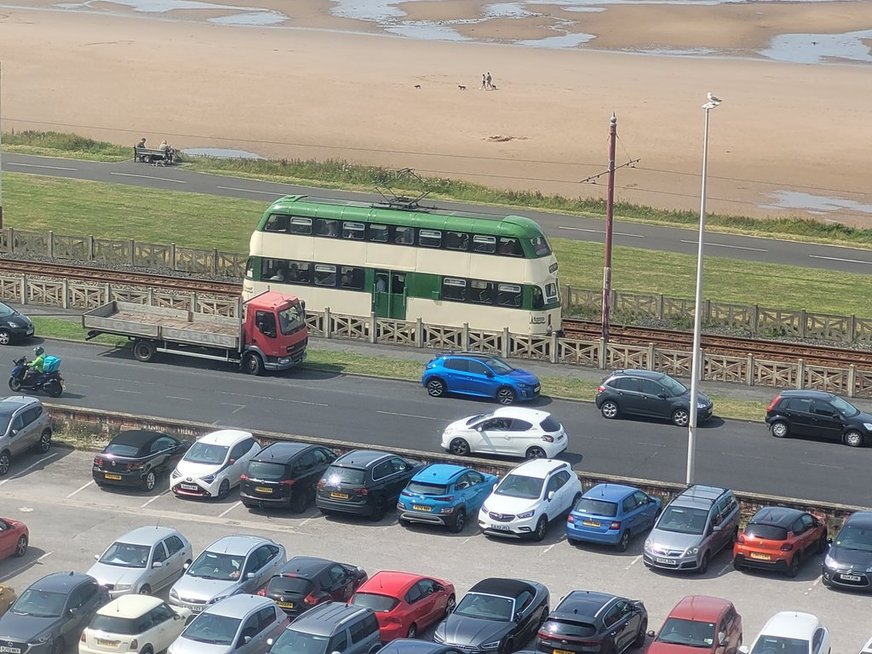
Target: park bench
{"x": 155, "y": 156}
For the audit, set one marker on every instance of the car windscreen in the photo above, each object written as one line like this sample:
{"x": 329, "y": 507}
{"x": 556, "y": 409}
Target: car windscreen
{"x": 499, "y": 366}
{"x": 126, "y": 555}
{"x": 266, "y": 471}
{"x": 121, "y": 449}
{"x": 549, "y": 424}
{"x": 474, "y": 419}
{"x": 766, "y": 532}
{"x": 212, "y": 629}
{"x": 112, "y": 624}
{"x": 214, "y": 565}
{"x": 780, "y": 645}
{"x": 6, "y": 310}
{"x": 569, "y": 628}
{"x": 206, "y": 453}
{"x": 5, "y": 418}
{"x": 424, "y": 488}
{"x": 374, "y": 601}
{"x": 597, "y": 507}
{"x": 342, "y": 475}
{"x": 855, "y": 537}
{"x": 520, "y": 486}
{"x": 39, "y": 603}
{"x": 486, "y": 607}
{"x": 844, "y": 407}
{"x": 299, "y": 642}
{"x": 673, "y": 386}
{"x": 683, "y": 519}
{"x": 280, "y": 585}
{"x": 687, "y": 632}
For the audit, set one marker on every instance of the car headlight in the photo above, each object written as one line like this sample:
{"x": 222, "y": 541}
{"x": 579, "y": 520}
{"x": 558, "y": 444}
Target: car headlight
{"x": 438, "y": 637}
{"x": 174, "y": 593}
{"x": 830, "y": 562}
{"x": 647, "y": 545}
{"x": 12, "y": 324}
{"x": 446, "y": 509}
{"x": 42, "y": 639}
{"x": 868, "y": 426}
{"x": 494, "y": 644}
{"x": 175, "y": 474}
{"x": 208, "y": 478}
{"x": 692, "y": 551}
{"x": 123, "y": 586}
{"x": 525, "y": 514}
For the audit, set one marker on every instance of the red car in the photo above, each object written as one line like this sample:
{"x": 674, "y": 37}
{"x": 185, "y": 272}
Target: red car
{"x": 405, "y": 603}
{"x": 778, "y": 538}
{"x": 13, "y": 538}
{"x": 699, "y": 624}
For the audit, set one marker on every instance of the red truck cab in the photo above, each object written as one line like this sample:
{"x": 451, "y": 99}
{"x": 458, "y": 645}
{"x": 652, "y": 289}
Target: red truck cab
{"x": 274, "y": 333}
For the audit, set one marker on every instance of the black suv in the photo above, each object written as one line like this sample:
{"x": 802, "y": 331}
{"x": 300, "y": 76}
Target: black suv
{"x": 306, "y": 581}
{"x": 284, "y": 475}
{"x": 364, "y": 482}
{"x": 820, "y": 415}
{"x": 848, "y": 563}
{"x": 649, "y": 393}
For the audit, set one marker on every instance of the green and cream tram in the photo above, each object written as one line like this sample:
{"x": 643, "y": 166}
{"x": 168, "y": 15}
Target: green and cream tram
{"x": 445, "y": 267}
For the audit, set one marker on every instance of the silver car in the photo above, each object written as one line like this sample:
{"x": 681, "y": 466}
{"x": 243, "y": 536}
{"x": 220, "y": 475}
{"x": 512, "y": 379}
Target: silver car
{"x": 241, "y": 624}
{"x": 24, "y": 425}
{"x": 142, "y": 561}
{"x": 229, "y": 566}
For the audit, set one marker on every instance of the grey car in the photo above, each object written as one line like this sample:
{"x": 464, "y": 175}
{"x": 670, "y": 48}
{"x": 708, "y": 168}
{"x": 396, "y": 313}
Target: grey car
{"x": 229, "y": 566}
{"x": 241, "y": 624}
{"x": 696, "y": 525}
{"x": 51, "y": 613}
{"x": 14, "y": 326}
{"x": 331, "y": 628}
{"x": 142, "y": 561}
{"x": 24, "y": 425}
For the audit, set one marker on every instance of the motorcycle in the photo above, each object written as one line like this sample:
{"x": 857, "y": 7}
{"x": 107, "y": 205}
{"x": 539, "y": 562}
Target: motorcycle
{"x": 19, "y": 379}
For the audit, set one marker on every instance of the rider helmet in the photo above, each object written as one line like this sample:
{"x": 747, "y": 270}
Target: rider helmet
{"x": 38, "y": 350}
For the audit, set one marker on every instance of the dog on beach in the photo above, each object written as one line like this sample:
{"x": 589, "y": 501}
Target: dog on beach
{"x": 461, "y": 87}
{"x": 417, "y": 86}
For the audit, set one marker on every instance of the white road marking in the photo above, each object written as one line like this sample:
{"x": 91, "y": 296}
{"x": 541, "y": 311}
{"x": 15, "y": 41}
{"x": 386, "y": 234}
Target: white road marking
{"x": 822, "y": 465}
{"x": 548, "y": 549}
{"x": 726, "y": 568}
{"x": 598, "y": 231}
{"x": 176, "y": 397}
{"x": 161, "y": 179}
{"x": 239, "y": 407}
{"x": 26, "y": 509}
{"x": 121, "y": 390}
{"x": 47, "y": 554}
{"x": 307, "y": 520}
{"x": 816, "y": 582}
{"x": 409, "y": 415}
{"x": 24, "y": 165}
{"x": 30, "y": 467}
{"x": 142, "y": 506}
{"x": 633, "y": 562}
{"x": 80, "y": 488}
{"x": 724, "y": 245}
{"x": 816, "y": 256}
{"x": 248, "y": 190}
{"x": 221, "y": 515}
{"x": 21, "y": 568}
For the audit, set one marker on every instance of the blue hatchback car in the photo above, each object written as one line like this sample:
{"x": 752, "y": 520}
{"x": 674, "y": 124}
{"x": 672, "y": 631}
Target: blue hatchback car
{"x": 481, "y": 375}
{"x": 612, "y": 514}
{"x": 444, "y": 494}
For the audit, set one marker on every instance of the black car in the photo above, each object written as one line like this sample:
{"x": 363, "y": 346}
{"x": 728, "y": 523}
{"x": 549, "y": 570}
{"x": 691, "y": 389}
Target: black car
{"x": 15, "y": 326}
{"x": 136, "y": 458}
{"x": 496, "y": 615}
{"x": 585, "y": 621}
{"x": 651, "y": 394}
{"x": 305, "y": 581}
{"x": 284, "y": 475}
{"x": 848, "y": 563}
{"x": 364, "y": 482}
{"x": 415, "y": 646}
{"x": 51, "y": 613}
{"x": 818, "y": 414}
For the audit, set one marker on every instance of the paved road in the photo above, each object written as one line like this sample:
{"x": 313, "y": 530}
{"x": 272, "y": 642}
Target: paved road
{"x": 58, "y": 490}
{"x": 648, "y": 237}
{"x": 737, "y": 454}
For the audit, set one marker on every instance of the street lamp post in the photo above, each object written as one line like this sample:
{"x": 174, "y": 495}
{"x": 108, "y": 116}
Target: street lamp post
{"x": 697, "y": 307}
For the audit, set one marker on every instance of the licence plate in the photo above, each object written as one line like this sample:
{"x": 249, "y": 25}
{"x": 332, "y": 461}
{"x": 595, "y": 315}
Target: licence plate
{"x": 850, "y": 577}
{"x": 107, "y": 643}
{"x": 263, "y": 489}
{"x": 196, "y": 608}
{"x": 562, "y": 651}
{"x": 286, "y": 605}
{"x": 590, "y": 523}
{"x": 10, "y": 650}
{"x": 113, "y": 476}
{"x": 659, "y": 559}
{"x": 192, "y": 487}
{"x": 418, "y": 507}
{"x": 762, "y": 557}
{"x": 339, "y": 496}
{"x": 500, "y": 527}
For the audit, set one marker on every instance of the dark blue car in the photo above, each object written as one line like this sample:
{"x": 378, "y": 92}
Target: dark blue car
{"x": 612, "y": 514}
{"x": 480, "y": 375}
{"x": 444, "y": 494}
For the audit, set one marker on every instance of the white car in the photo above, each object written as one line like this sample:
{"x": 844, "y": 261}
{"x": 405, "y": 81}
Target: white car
{"x": 793, "y": 632}
{"x": 528, "y": 498}
{"x": 214, "y": 464}
{"x": 512, "y": 431}
{"x": 133, "y": 623}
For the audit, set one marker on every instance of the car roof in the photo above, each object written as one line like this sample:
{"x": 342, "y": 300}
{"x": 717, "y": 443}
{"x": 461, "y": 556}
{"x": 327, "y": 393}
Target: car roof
{"x": 699, "y": 608}
{"x": 522, "y": 413}
{"x": 390, "y": 582}
{"x": 470, "y": 355}
{"x": 503, "y": 587}
{"x": 238, "y": 606}
{"x": 610, "y": 492}
{"x": 637, "y": 372}
{"x": 415, "y": 646}
{"x": 61, "y": 581}
{"x": 281, "y": 451}
{"x": 581, "y": 604}
{"x": 138, "y": 437}
{"x": 224, "y": 437}
{"x": 239, "y": 544}
{"x": 440, "y": 473}
{"x": 146, "y": 535}
{"x": 539, "y": 467}
{"x": 859, "y": 519}
{"x": 322, "y": 619}
{"x": 130, "y": 606}
{"x": 699, "y": 495}
{"x": 822, "y": 395}
{"x": 304, "y": 566}
{"x": 12, "y": 403}
{"x": 360, "y": 458}
{"x": 778, "y": 516}
{"x": 791, "y": 624}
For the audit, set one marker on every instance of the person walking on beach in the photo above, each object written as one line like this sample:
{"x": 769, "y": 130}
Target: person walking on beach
{"x": 483, "y": 82}
{"x": 488, "y": 83}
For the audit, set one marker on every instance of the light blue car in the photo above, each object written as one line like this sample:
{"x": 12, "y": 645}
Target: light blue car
{"x": 444, "y": 494}
{"x": 612, "y": 514}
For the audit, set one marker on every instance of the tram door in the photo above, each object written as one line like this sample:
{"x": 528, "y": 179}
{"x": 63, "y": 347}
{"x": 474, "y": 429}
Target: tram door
{"x": 389, "y": 294}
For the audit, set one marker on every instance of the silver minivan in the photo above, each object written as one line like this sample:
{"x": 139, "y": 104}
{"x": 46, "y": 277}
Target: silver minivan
{"x": 697, "y": 524}
{"x": 24, "y": 425}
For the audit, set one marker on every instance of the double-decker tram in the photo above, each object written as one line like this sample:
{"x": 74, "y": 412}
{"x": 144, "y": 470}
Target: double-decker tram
{"x": 407, "y": 262}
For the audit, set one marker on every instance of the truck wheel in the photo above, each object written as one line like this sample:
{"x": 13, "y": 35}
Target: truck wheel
{"x": 143, "y": 351}
{"x": 252, "y": 364}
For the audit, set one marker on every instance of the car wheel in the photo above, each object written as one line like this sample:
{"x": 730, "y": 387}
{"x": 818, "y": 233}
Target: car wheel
{"x": 822, "y": 543}
{"x": 44, "y": 443}
{"x": 535, "y": 452}
{"x": 5, "y": 462}
{"x": 413, "y": 631}
{"x": 435, "y": 387}
{"x": 506, "y": 395}
{"x": 737, "y": 564}
{"x": 252, "y": 364}
{"x": 458, "y": 447}
{"x": 779, "y": 429}
{"x": 680, "y": 417}
{"x": 143, "y": 351}
{"x": 703, "y": 566}
{"x": 149, "y": 481}
{"x": 459, "y": 521}
{"x": 378, "y": 509}
{"x": 507, "y": 647}
{"x": 793, "y": 568}
{"x": 623, "y": 542}
{"x": 145, "y": 590}
{"x": 610, "y": 409}
{"x": 223, "y": 489}
{"x": 5, "y": 337}
{"x": 853, "y": 438}
{"x": 299, "y": 501}
{"x": 57, "y": 647}
{"x": 450, "y": 605}
{"x": 643, "y": 633}
{"x": 541, "y": 528}
{"x": 147, "y": 650}
{"x": 21, "y": 546}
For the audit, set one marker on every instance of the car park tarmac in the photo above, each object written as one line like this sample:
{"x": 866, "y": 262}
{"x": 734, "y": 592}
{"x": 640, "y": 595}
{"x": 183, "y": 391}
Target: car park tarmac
{"x": 71, "y": 519}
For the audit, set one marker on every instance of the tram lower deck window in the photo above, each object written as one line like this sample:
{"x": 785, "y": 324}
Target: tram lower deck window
{"x": 454, "y": 289}
{"x": 509, "y": 295}
{"x": 481, "y": 292}
{"x": 325, "y": 275}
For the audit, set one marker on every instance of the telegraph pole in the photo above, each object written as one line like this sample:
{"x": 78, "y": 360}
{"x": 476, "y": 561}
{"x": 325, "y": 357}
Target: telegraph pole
{"x": 610, "y": 202}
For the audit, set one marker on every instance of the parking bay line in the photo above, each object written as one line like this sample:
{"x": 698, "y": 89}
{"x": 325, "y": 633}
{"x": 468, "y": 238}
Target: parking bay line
{"x": 30, "y": 467}
{"x": 23, "y": 567}
{"x": 142, "y": 506}
{"x": 80, "y": 488}
{"x": 221, "y": 515}
{"x": 633, "y": 562}
{"x": 408, "y": 415}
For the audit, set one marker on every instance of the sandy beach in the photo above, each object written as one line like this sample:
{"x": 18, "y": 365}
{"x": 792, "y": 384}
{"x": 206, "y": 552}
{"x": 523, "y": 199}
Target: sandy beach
{"x": 322, "y": 86}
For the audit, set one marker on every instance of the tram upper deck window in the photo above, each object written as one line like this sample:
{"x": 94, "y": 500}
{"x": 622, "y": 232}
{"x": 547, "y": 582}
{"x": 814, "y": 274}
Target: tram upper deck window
{"x": 379, "y": 233}
{"x": 328, "y": 228}
{"x": 510, "y": 247}
{"x": 481, "y": 292}
{"x": 404, "y": 235}
{"x": 541, "y": 248}
{"x": 509, "y": 295}
{"x": 456, "y": 241}
{"x": 353, "y": 231}
{"x": 325, "y": 275}
{"x": 277, "y": 222}
{"x": 301, "y": 226}
{"x": 484, "y": 244}
{"x": 454, "y": 289}
{"x": 430, "y": 238}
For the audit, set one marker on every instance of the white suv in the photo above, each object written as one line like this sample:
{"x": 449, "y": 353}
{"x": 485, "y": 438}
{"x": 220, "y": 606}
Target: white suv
{"x": 214, "y": 464}
{"x": 528, "y": 498}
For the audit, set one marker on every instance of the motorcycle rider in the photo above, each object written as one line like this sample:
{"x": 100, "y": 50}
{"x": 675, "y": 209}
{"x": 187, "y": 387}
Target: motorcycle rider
{"x": 35, "y": 367}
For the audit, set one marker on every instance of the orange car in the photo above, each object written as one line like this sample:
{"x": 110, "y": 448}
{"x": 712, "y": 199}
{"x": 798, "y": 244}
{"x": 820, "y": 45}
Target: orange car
{"x": 778, "y": 538}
